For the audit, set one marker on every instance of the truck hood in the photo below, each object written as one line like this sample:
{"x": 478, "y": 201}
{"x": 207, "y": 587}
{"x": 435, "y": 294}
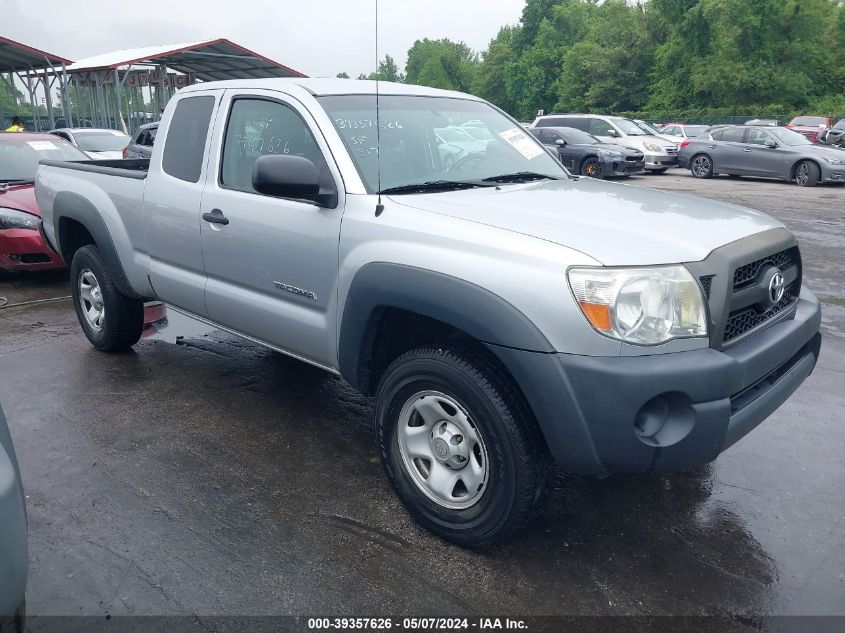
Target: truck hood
{"x": 20, "y": 198}
{"x": 613, "y": 223}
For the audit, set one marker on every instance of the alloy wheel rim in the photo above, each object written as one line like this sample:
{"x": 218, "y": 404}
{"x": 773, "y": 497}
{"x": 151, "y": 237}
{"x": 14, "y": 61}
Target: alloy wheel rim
{"x": 592, "y": 169}
{"x": 442, "y": 450}
{"x": 91, "y": 300}
{"x": 701, "y": 166}
{"x": 803, "y": 174}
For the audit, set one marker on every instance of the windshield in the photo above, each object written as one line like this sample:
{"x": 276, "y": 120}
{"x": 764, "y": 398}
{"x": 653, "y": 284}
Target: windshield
{"x": 813, "y": 121}
{"x": 629, "y": 127}
{"x": 414, "y": 147}
{"x": 101, "y": 141}
{"x": 788, "y": 137}
{"x": 645, "y": 126}
{"x": 840, "y": 125}
{"x": 694, "y": 130}
{"x": 577, "y": 137}
{"x": 19, "y": 158}
{"x": 479, "y": 133}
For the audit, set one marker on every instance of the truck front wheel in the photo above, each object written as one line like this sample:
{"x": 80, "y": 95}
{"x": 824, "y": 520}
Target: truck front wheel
{"x": 460, "y": 445}
{"x": 112, "y": 322}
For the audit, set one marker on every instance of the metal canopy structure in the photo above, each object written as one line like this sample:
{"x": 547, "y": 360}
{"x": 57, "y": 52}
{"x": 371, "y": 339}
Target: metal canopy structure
{"x": 117, "y": 82}
{"x": 208, "y": 60}
{"x": 32, "y": 67}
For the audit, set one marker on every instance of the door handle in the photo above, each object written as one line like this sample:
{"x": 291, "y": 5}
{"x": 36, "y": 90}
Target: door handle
{"x": 216, "y": 217}
{"x": 712, "y": 147}
{"x": 747, "y": 149}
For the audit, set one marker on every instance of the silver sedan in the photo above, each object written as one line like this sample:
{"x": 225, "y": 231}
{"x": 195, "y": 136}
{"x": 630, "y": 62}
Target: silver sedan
{"x": 762, "y": 151}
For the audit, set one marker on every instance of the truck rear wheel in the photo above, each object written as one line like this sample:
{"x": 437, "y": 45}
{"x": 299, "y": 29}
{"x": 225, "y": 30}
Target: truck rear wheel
{"x": 460, "y": 445}
{"x": 112, "y": 322}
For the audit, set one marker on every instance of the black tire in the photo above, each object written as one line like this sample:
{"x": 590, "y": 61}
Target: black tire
{"x": 519, "y": 464}
{"x": 701, "y": 166}
{"x": 123, "y": 317}
{"x": 807, "y": 174}
{"x": 591, "y": 167}
{"x": 659, "y": 171}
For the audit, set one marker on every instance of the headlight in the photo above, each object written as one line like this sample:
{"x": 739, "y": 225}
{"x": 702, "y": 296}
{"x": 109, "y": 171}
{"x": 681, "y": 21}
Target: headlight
{"x": 609, "y": 154}
{"x": 834, "y": 161}
{"x": 644, "y": 306}
{"x": 653, "y": 148}
{"x": 11, "y": 219}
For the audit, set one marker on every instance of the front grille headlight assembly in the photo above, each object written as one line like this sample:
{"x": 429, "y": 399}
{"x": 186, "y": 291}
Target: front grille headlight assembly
{"x": 653, "y": 147}
{"x": 643, "y": 306}
{"x": 13, "y": 219}
{"x": 834, "y": 161}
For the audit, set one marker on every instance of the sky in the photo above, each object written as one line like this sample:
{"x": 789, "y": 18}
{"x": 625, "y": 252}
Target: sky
{"x": 317, "y": 37}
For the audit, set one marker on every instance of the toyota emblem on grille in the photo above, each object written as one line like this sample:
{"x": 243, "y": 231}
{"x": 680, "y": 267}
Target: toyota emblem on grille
{"x": 776, "y": 288}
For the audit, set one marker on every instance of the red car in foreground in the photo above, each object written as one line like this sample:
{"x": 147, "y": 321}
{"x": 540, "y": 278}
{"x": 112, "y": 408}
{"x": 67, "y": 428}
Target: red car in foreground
{"x": 21, "y": 245}
{"x": 810, "y": 126}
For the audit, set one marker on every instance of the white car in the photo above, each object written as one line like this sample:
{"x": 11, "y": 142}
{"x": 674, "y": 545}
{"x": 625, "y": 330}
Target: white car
{"x": 99, "y": 144}
{"x": 679, "y": 132}
{"x": 660, "y": 154}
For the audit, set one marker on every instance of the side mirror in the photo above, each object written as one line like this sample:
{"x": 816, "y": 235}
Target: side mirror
{"x": 290, "y": 177}
{"x": 771, "y": 144}
{"x": 612, "y": 132}
{"x": 560, "y": 141}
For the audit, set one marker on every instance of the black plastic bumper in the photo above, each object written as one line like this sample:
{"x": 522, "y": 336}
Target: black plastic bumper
{"x": 605, "y": 415}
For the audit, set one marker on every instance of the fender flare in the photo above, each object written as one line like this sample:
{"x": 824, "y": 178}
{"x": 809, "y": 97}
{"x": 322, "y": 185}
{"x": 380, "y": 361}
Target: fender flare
{"x": 73, "y": 206}
{"x": 459, "y": 303}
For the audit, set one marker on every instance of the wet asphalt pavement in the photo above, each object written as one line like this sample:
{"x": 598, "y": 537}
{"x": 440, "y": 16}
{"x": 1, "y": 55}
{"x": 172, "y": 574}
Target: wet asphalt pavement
{"x": 206, "y": 475}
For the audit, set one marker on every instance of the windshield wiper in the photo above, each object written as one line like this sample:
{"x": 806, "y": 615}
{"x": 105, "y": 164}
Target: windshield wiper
{"x": 436, "y": 185}
{"x": 22, "y": 181}
{"x": 520, "y": 176}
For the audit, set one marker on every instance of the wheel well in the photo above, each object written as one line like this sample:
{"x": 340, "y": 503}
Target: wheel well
{"x": 803, "y": 160}
{"x": 393, "y": 331}
{"x": 72, "y": 236}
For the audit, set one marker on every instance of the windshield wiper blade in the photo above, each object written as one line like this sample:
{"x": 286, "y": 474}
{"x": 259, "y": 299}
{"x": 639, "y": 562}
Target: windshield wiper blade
{"x": 21, "y": 181}
{"x": 436, "y": 185}
{"x": 520, "y": 176}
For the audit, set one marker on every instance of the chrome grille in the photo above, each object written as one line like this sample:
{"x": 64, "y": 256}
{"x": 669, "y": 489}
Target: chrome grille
{"x": 672, "y": 151}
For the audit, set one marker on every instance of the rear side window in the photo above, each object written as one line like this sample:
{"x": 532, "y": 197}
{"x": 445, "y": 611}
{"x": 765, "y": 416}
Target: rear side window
{"x": 732, "y": 134}
{"x": 184, "y": 148}
{"x": 552, "y": 121}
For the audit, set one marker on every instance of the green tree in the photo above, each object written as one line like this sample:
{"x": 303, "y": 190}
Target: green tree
{"x": 342, "y": 76}
{"x": 387, "y": 71}
{"x": 491, "y": 79}
{"x": 442, "y": 64}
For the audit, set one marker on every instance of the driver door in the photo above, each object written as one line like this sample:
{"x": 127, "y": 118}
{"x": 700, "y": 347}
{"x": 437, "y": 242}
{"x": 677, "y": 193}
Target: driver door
{"x": 271, "y": 262}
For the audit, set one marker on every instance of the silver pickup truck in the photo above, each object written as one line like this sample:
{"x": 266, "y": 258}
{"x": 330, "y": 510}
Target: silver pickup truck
{"x": 504, "y": 314}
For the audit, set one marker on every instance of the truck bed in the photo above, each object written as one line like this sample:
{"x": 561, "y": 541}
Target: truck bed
{"x": 127, "y": 168}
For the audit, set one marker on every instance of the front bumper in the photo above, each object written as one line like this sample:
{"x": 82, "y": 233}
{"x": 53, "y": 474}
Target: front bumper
{"x": 660, "y": 161}
{"x": 23, "y": 249}
{"x": 832, "y": 173}
{"x": 605, "y": 415}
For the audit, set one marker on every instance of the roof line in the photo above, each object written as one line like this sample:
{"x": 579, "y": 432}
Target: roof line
{"x": 35, "y": 51}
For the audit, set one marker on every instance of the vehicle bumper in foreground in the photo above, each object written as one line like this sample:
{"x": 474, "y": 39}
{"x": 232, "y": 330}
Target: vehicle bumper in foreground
{"x": 13, "y": 546}
{"x": 605, "y": 415}
{"x": 24, "y": 249}
{"x": 660, "y": 161}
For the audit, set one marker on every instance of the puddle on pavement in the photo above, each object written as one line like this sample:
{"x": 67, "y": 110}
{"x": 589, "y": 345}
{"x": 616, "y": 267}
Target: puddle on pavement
{"x": 171, "y": 326}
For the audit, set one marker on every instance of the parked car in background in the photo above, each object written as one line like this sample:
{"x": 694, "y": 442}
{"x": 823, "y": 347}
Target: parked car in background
{"x": 835, "y": 135}
{"x": 98, "y": 144}
{"x": 810, "y": 126}
{"x": 141, "y": 145}
{"x": 14, "y": 560}
{"x": 659, "y": 154}
{"x": 763, "y": 151}
{"x": 679, "y": 132}
{"x": 21, "y": 245}
{"x": 767, "y": 122}
{"x": 584, "y": 154}
{"x": 502, "y": 313}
